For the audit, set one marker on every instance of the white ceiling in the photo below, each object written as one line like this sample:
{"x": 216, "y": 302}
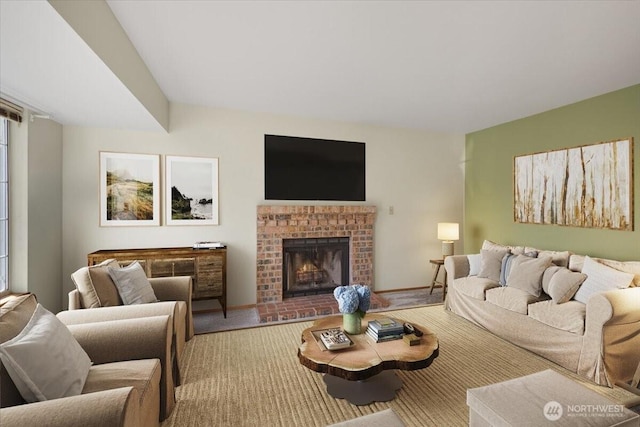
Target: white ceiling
{"x": 444, "y": 66}
{"x": 47, "y": 66}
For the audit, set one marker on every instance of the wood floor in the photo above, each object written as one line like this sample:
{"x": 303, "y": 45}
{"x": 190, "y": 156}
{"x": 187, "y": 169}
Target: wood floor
{"x": 213, "y": 321}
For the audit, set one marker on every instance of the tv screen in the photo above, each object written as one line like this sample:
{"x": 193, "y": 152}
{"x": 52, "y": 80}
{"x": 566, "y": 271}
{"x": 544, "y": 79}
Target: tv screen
{"x": 313, "y": 169}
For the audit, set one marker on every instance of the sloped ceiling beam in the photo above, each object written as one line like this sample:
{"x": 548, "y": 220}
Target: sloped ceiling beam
{"x": 96, "y": 24}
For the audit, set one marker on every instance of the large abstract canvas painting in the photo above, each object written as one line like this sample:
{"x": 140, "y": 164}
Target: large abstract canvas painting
{"x": 587, "y": 186}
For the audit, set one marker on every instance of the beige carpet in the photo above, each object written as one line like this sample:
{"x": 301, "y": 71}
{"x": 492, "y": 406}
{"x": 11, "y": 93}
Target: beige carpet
{"x": 252, "y": 377}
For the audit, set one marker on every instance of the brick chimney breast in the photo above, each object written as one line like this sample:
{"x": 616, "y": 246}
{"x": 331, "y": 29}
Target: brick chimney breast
{"x": 278, "y": 222}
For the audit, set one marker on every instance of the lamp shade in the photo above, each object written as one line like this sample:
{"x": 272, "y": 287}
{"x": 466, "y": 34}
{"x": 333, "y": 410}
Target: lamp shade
{"x": 448, "y": 231}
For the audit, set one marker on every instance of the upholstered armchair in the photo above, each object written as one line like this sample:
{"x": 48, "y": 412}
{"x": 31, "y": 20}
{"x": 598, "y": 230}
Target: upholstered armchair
{"x": 106, "y": 341}
{"x": 96, "y": 299}
{"x": 116, "y": 370}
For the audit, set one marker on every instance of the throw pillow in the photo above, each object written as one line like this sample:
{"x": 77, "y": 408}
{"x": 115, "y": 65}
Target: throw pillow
{"x": 475, "y": 261}
{"x": 491, "y": 263}
{"x": 560, "y": 258}
{"x": 493, "y": 246}
{"x": 526, "y": 274}
{"x": 633, "y": 267}
{"x": 44, "y": 360}
{"x": 132, "y": 283}
{"x": 505, "y": 268}
{"x": 600, "y": 278}
{"x": 546, "y": 277}
{"x": 95, "y": 286}
{"x": 564, "y": 284}
{"x": 506, "y": 265}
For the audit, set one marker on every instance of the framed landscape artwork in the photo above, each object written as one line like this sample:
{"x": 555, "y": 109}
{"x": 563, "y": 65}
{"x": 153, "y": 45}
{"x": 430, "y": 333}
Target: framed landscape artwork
{"x": 191, "y": 191}
{"x": 589, "y": 186}
{"x": 129, "y": 189}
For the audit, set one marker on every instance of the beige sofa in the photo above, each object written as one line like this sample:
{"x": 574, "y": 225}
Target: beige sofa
{"x": 122, "y": 387}
{"x": 598, "y": 340}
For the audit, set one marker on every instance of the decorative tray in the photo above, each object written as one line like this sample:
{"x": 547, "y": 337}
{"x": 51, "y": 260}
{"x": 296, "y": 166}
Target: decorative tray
{"x": 332, "y": 339}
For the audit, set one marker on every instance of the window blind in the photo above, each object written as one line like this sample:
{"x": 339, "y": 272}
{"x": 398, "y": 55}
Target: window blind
{"x": 10, "y": 111}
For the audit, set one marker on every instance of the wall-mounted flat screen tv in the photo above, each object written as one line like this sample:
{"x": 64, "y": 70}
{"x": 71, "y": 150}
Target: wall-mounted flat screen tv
{"x": 313, "y": 169}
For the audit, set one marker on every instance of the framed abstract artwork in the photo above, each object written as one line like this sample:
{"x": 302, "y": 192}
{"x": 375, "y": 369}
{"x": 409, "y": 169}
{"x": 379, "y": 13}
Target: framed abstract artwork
{"x": 588, "y": 186}
{"x": 129, "y": 189}
{"x": 191, "y": 191}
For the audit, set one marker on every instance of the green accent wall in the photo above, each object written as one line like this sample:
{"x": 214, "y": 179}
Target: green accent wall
{"x": 489, "y": 175}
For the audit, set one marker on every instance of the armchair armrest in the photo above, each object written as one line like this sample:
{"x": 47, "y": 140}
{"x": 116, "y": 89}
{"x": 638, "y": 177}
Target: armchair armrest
{"x": 616, "y": 307}
{"x": 126, "y": 339}
{"x": 137, "y": 311}
{"x": 74, "y": 300}
{"x": 612, "y": 323}
{"x": 116, "y": 407}
{"x": 133, "y": 339}
{"x": 457, "y": 266}
{"x": 177, "y": 288}
{"x": 118, "y": 312}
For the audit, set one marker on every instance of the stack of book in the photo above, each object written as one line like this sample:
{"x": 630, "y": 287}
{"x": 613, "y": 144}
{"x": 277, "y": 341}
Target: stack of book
{"x": 385, "y": 329}
{"x": 208, "y": 245}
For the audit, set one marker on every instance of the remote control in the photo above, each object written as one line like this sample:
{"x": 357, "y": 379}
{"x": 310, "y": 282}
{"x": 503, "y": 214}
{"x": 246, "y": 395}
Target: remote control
{"x": 410, "y": 329}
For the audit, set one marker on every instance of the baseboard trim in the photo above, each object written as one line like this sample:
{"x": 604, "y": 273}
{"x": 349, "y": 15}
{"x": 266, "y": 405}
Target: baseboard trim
{"x": 401, "y": 289}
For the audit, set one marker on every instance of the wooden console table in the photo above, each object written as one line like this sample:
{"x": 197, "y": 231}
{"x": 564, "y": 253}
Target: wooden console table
{"x": 207, "y": 267}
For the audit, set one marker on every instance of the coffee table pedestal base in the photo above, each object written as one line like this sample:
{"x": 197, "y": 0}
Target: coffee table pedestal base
{"x": 379, "y": 388}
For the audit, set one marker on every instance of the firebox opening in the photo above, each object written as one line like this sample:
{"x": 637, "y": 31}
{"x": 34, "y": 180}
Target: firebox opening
{"x": 314, "y": 266}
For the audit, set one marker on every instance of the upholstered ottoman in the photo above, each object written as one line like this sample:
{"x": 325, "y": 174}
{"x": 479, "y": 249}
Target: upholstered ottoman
{"x": 544, "y": 398}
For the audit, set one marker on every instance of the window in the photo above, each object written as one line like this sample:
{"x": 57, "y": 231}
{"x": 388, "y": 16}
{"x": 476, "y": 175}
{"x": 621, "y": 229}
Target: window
{"x": 4, "y": 206}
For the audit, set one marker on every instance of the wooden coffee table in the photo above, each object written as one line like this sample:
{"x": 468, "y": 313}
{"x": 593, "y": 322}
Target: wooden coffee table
{"x": 363, "y": 372}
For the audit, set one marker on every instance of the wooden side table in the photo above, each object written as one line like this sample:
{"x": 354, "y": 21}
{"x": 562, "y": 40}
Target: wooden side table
{"x": 437, "y": 263}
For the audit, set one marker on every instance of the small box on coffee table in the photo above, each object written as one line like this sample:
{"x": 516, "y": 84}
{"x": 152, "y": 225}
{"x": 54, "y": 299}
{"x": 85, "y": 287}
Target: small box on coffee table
{"x": 411, "y": 339}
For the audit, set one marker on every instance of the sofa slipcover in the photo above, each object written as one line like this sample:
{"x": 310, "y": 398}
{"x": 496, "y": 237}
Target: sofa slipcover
{"x": 598, "y": 340}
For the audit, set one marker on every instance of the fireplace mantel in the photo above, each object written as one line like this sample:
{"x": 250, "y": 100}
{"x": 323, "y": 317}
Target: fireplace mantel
{"x": 278, "y": 222}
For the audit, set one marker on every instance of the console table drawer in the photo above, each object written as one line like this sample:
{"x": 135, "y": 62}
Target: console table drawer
{"x": 173, "y": 267}
{"x": 209, "y": 284}
{"x": 210, "y": 276}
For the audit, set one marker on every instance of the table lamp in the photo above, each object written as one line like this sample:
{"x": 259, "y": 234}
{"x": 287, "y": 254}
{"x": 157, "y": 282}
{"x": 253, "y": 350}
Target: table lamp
{"x": 448, "y": 232}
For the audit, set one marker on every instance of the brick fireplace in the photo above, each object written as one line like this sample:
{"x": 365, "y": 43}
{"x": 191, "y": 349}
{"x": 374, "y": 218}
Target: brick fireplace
{"x": 275, "y": 223}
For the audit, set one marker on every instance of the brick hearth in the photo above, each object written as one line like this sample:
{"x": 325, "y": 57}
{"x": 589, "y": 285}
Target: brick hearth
{"x": 307, "y": 306}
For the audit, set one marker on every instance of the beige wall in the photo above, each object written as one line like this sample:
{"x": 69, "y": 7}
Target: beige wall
{"x": 420, "y": 174}
{"x": 36, "y": 210}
